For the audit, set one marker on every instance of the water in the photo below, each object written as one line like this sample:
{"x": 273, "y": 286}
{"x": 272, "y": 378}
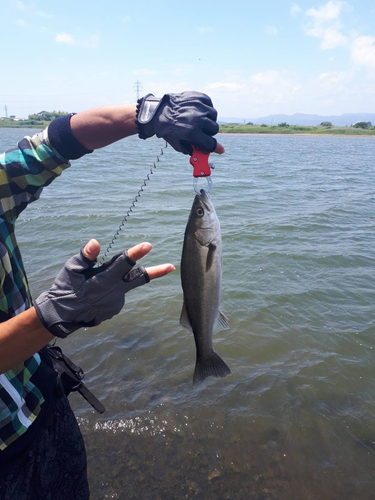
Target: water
{"x": 296, "y": 419}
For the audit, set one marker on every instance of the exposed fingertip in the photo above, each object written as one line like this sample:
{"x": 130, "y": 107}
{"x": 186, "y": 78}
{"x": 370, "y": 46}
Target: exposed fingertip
{"x": 146, "y": 247}
{"x": 219, "y": 149}
{"x": 91, "y": 248}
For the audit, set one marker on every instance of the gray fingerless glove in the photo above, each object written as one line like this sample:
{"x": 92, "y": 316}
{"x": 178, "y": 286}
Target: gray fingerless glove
{"x": 83, "y": 296}
{"x": 181, "y": 119}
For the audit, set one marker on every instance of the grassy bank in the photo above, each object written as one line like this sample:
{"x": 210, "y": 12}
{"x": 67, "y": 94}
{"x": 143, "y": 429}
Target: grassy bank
{"x": 6, "y": 123}
{"x": 230, "y": 128}
{"x": 293, "y": 129}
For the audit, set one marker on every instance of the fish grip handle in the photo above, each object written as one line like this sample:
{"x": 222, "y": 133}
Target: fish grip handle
{"x": 199, "y": 161}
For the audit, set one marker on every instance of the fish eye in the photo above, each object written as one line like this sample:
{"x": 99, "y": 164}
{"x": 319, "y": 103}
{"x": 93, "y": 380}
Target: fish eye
{"x": 200, "y": 212}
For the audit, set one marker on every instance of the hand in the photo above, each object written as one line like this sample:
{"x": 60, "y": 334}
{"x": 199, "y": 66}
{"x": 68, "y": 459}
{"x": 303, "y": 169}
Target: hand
{"x": 83, "y": 296}
{"x": 182, "y": 120}
{"x": 92, "y": 250}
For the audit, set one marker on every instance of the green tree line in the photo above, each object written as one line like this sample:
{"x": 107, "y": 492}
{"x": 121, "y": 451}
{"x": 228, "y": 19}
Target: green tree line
{"x": 47, "y": 116}
{"x": 41, "y": 119}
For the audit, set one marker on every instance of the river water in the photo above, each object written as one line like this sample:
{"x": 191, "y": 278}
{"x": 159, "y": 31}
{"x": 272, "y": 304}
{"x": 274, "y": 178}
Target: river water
{"x": 296, "y": 418}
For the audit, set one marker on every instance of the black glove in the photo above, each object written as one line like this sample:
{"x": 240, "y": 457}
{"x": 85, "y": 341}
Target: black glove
{"x": 182, "y": 120}
{"x": 83, "y": 296}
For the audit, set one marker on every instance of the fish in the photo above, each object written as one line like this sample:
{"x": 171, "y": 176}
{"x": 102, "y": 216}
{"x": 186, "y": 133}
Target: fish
{"x": 201, "y": 271}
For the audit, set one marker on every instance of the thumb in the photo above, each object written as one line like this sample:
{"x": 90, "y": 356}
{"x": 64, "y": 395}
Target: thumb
{"x": 92, "y": 250}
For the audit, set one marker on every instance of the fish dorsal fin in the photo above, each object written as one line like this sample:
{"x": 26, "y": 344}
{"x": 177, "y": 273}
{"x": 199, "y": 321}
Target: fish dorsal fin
{"x": 221, "y": 323}
{"x": 184, "y": 320}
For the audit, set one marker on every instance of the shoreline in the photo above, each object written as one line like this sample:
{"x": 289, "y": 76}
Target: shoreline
{"x": 299, "y": 134}
{"x": 277, "y": 134}
{"x": 38, "y": 127}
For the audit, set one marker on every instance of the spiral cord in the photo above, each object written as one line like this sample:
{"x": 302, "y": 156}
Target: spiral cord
{"x": 132, "y": 206}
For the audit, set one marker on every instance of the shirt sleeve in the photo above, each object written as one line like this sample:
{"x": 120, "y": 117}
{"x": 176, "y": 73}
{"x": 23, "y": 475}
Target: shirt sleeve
{"x": 33, "y": 164}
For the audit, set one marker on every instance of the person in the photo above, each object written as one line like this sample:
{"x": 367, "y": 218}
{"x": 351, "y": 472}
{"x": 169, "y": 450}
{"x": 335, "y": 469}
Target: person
{"x": 42, "y": 454}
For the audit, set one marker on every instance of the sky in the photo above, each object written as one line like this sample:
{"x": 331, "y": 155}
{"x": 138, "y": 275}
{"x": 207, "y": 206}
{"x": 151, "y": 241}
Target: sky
{"x": 252, "y": 58}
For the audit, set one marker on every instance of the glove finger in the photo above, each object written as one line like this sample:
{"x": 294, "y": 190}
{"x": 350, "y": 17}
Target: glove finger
{"x": 209, "y": 127}
{"x": 135, "y": 278}
{"x": 89, "y": 273}
{"x": 203, "y": 141}
{"x": 79, "y": 263}
{"x": 186, "y": 148}
{"x": 209, "y": 112}
{"x": 73, "y": 274}
{"x": 119, "y": 266}
{"x": 191, "y": 111}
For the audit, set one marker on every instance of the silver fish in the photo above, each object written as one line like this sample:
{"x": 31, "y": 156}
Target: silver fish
{"x": 201, "y": 270}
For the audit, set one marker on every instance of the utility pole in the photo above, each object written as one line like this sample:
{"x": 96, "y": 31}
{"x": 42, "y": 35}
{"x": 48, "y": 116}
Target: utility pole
{"x": 137, "y": 88}
{"x": 6, "y": 111}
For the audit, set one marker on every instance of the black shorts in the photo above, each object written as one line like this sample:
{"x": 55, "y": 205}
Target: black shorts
{"x": 53, "y": 466}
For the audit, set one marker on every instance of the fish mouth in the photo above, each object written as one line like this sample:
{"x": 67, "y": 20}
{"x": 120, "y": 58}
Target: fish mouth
{"x": 203, "y": 198}
{"x": 204, "y": 194}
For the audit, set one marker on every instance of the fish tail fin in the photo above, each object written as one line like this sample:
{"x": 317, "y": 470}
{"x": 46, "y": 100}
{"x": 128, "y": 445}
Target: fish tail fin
{"x": 213, "y": 366}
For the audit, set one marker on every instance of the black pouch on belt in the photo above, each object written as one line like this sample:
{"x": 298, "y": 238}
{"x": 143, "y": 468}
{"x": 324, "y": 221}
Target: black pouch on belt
{"x": 69, "y": 375}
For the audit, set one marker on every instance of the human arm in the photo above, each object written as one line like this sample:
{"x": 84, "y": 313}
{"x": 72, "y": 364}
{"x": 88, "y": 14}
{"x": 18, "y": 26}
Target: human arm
{"x": 20, "y": 338}
{"x": 177, "y": 116}
{"x": 24, "y": 334}
{"x": 99, "y": 127}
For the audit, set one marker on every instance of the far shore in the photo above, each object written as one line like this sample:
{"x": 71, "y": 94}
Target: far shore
{"x": 285, "y": 129}
{"x": 232, "y": 129}
{"x": 300, "y": 134}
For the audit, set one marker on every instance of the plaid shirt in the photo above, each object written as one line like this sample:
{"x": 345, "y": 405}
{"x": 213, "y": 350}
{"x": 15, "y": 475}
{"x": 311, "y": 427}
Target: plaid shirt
{"x": 24, "y": 171}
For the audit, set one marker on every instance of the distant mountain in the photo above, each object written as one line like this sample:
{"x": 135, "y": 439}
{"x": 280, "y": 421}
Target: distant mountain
{"x": 305, "y": 119}
{"x": 222, "y": 121}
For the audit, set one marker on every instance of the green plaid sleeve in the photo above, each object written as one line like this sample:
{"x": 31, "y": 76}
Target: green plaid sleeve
{"x": 24, "y": 171}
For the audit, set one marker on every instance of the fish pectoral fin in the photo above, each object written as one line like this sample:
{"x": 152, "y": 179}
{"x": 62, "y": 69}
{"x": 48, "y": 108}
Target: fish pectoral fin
{"x": 210, "y": 255}
{"x": 184, "y": 319}
{"x": 221, "y": 323}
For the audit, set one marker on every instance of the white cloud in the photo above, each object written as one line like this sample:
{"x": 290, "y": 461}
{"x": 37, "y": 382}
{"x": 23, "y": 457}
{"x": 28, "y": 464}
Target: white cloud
{"x": 260, "y": 90}
{"x": 126, "y": 19}
{"x": 265, "y": 78}
{"x": 336, "y": 77}
{"x": 327, "y": 12}
{"x": 271, "y": 30}
{"x": 270, "y": 92}
{"x": 363, "y": 51}
{"x": 205, "y": 29}
{"x": 225, "y": 86}
{"x": 295, "y": 10}
{"x": 21, "y": 22}
{"x": 64, "y": 38}
{"x": 333, "y": 38}
{"x": 325, "y": 24}
{"x": 273, "y": 87}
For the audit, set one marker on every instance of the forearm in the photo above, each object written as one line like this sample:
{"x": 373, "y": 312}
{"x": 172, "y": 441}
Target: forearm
{"x": 99, "y": 127}
{"x": 20, "y": 338}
